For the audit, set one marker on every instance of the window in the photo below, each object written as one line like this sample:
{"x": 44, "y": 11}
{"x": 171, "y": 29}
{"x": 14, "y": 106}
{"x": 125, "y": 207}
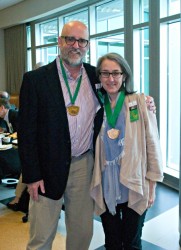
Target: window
{"x": 169, "y": 7}
{"x": 28, "y": 34}
{"x": 47, "y": 54}
{"x": 29, "y": 52}
{"x": 140, "y": 11}
{"x": 81, "y": 16}
{"x": 141, "y": 60}
{"x": 103, "y": 45}
{"x": 29, "y": 59}
{"x": 170, "y": 94}
{"x": 46, "y": 32}
{"x": 110, "y": 16}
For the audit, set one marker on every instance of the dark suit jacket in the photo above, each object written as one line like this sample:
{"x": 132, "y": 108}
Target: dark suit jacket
{"x": 43, "y": 135}
{"x": 13, "y": 119}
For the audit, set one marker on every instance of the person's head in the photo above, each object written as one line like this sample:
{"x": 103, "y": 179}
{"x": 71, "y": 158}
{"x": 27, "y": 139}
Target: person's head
{"x": 4, "y": 95}
{"x": 114, "y": 73}
{"x": 4, "y": 106}
{"x": 74, "y": 43}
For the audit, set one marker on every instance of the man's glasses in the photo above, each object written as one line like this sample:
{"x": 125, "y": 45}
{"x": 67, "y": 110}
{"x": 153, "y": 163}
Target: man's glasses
{"x": 70, "y": 40}
{"x": 115, "y": 74}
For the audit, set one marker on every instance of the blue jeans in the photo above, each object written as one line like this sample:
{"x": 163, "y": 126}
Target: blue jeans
{"x": 124, "y": 229}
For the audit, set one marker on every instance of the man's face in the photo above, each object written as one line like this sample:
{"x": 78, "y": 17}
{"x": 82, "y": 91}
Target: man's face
{"x": 74, "y": 53}
{"x": 2, "y": 112}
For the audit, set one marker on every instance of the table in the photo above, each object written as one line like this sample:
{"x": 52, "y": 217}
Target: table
{"x": 10, "y": 165}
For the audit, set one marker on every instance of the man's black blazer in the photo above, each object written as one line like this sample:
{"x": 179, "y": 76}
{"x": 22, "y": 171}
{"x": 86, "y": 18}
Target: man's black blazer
{"x": 43, "y": 134}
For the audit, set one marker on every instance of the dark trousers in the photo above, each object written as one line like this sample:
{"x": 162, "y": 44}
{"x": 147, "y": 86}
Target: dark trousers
{"x": 124, "y": 229}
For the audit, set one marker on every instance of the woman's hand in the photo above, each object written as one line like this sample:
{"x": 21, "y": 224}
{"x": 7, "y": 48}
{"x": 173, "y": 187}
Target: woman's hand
{"x": 152, "y": 188}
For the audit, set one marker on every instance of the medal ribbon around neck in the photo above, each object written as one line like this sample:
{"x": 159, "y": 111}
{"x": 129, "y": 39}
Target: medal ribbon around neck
{"x": 72, "y": 110}
{"x": 72, "y": 98}
{"x": 112, "y": 117}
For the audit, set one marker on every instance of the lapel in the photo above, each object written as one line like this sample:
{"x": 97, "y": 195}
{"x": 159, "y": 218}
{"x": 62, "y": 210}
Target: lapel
{"x": 53, "y": 83}
{"x": 55, "y": 93}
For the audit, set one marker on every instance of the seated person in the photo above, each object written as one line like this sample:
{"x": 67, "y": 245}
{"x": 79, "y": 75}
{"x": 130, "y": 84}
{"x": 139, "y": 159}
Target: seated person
{"x": 8, "y": 116}
{"x": 20, "y": 186}
{"x": 18, "y": 192}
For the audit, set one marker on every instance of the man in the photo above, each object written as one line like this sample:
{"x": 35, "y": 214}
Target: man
{"x": 58, "y": 105}
{"x": 8, "y": 116}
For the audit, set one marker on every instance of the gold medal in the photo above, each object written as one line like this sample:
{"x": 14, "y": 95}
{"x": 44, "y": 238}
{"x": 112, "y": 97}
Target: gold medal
{"x": 73, "y": 110}
{"x": 113, "y": 133}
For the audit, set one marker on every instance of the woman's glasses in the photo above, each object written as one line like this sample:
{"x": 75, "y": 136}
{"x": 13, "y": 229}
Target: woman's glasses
{"x": 115, "y": 74}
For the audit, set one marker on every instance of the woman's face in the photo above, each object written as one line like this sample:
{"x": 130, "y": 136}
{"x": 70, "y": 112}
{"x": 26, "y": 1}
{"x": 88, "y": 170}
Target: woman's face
{"x": 111, "y": 82}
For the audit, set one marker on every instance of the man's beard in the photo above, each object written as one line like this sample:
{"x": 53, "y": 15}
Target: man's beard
{"x": 70, "y": 59}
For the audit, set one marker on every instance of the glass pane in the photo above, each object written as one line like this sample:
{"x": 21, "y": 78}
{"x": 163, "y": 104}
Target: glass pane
{"x": 174, "y": 96}
{"x": 28, "y": 36}
{"x": 141, "y": 60}
{"x": 140, "y": 11}
{"x": 110, "y": 16}
{"x": 163, "y": 91}
{"x": 105, "y": 45}
{"x": 169, "y": 7}
{"x": 46, "y": 32}
{"x": 29, "y": 60}
{"x": 46, "y": 55}
{"x": 81, "y": 16}
{"x": 170, "y": 94}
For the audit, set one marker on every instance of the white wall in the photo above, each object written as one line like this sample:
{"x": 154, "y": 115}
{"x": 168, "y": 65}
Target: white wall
{"x": 27, "y": 11}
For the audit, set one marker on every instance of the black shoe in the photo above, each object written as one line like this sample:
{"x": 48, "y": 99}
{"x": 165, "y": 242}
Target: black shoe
{"x": 14, "y": 207}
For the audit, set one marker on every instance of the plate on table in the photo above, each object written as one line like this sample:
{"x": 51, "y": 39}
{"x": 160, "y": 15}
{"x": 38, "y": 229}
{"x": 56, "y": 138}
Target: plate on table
{"x": 2, "y": 136}
{"x": 15, "y": 141}
{"x": 5, "y": 147}
{"x": 9, "y": 181}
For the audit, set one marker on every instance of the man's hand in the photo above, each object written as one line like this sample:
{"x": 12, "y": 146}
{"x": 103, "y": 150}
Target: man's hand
{"x": 150, "y": 103}
{"x": 33, "y": 189}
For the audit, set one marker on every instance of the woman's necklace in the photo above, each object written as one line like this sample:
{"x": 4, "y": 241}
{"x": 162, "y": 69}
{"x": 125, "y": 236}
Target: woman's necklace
{"x": 112, "y": 117}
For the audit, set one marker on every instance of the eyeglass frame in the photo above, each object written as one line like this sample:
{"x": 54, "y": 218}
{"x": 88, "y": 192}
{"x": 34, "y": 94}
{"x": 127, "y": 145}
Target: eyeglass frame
{"x": 75, "y": 40}
{"x": 111, "y": 73}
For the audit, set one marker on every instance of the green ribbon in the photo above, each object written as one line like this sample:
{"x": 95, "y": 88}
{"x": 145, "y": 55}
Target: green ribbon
{"x": 72, "y": 98}
{"x": 113, "y": 116}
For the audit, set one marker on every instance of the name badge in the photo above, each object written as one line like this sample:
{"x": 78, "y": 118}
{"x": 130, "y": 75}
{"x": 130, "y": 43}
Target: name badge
{"x": 133, "y": 110}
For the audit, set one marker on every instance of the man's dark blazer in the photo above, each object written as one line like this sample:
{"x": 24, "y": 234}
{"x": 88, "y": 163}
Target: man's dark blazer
{"x": 43, "y": 134}
{"x": 13, "y": 119}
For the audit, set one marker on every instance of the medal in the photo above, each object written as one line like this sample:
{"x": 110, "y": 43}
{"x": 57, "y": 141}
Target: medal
{"x": 112, "y": 117}
{"x": 73, "y": 110}
{"x": 113, "y": 133}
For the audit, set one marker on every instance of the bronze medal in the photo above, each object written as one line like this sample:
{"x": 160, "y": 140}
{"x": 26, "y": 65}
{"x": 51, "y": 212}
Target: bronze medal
{"x": 113, "y": 133}
{"x": 73, "y": 110}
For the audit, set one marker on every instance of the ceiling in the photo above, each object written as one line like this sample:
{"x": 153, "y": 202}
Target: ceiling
{"x": 7, "y": 3}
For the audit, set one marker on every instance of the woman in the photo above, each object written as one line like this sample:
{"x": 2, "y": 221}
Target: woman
{"x": 127, "y": 157}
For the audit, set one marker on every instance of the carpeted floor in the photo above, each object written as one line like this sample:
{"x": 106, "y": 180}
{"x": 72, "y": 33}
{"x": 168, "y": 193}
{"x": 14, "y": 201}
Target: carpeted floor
{"x": 14, "y": 233}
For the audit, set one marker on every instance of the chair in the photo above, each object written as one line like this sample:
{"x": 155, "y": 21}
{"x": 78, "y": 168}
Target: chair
{"x": 14, "y": 100}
